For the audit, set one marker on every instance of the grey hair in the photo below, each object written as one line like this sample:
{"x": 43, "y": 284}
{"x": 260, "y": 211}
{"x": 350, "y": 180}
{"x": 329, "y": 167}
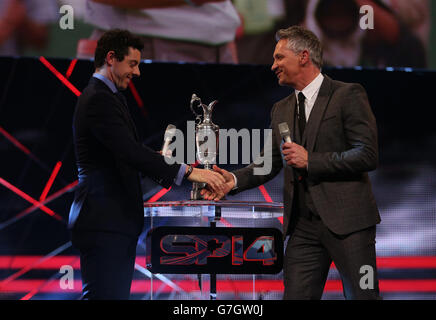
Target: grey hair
{"x": 300, "y": 39}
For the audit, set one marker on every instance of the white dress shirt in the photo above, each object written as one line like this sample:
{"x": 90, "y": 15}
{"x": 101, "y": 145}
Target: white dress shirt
{"x": 310, "y": 93}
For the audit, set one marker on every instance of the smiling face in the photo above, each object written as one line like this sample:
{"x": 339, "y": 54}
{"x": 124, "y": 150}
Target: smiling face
{"x": 287, "y": 64}
{"x": 123, "y": 71}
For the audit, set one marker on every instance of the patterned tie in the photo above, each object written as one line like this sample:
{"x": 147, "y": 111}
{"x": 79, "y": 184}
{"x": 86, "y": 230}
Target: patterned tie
{"x": 301, "y": 113}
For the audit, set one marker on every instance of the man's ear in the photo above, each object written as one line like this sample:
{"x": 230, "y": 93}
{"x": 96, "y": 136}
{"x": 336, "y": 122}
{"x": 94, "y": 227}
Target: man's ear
{"x": 110, "y": 58}
{"x": 304, "y": 57}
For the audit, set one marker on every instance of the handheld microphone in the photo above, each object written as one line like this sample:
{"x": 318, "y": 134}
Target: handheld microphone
{"x": 284, "y": 132}
{"x": 169, "y": 134}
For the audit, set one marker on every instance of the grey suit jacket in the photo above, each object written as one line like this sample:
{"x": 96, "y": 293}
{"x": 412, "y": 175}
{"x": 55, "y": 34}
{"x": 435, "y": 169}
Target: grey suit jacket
{"x": 341, "y": 140}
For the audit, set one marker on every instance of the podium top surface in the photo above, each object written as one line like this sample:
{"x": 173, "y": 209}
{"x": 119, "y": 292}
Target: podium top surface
{"x": 220, "y": 203}
{"x": 205, "y": 208}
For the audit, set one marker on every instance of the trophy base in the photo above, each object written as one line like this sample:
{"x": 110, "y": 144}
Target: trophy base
{"x": 195, "y": 192}
{"x": 196, "y": 189}
{"x": 196, "y": 196}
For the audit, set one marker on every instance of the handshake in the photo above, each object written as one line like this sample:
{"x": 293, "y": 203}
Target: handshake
{"x": 219, "y": 182}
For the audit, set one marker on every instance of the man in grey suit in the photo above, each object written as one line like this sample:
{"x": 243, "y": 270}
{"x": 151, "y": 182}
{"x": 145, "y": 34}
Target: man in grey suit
{"x": 330, "y": 213}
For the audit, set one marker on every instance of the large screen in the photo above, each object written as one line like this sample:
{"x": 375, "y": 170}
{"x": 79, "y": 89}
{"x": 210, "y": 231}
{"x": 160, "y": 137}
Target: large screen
{"x": 367, "y": 33}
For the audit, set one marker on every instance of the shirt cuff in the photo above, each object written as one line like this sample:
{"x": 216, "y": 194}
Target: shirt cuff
{"x": 180, "y": 174}
{"x": 236, "y": 181}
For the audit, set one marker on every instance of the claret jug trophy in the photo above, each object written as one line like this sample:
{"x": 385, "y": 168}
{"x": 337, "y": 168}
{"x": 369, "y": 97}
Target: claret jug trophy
{"x": 206, "y": 140}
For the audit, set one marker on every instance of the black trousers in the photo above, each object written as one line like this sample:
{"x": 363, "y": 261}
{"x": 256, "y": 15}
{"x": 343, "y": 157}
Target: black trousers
{"x": 310, "y": 251}
{"x": 107, "y": 262}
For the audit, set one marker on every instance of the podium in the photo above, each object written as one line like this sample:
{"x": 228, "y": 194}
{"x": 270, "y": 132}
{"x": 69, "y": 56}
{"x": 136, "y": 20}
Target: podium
{"x": 190, "y": 242}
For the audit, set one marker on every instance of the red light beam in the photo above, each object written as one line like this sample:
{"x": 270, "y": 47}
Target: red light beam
{"x": 138, "y": 98}
{"x": 71, "y": 68}
{"x": 265, "y": 194}
{"x": 50, "y": 181}
{"x": 159, "y": 195}
{"x": 59, "y": 75}
{"x": 29, "y": 210}
{"x": 34, "y": 291}
{"x": 24, "y": 270}
{"x": 30, "y": 199}
{"x": 15, "y": 141}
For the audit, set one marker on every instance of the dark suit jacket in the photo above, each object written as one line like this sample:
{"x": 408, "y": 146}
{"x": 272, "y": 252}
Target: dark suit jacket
{"x": 341, "y": 140}
{"x": 109, "y": 159}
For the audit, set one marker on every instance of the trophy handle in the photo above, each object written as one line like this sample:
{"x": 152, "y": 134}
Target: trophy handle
{"x": 211, "y": 105}
{"x": 207, "y": 111}
{"x": 196, "y": 103}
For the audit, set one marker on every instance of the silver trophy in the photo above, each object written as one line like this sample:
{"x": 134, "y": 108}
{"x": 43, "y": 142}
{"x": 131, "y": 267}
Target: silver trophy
{"x": 206, "y": 140}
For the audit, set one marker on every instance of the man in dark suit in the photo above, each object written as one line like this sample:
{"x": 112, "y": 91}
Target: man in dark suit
{"x": 330, "y": 212}
{"x": 107, "y": 214}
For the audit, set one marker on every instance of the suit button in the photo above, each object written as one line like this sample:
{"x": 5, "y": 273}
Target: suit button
{"x": 300, "y": 178}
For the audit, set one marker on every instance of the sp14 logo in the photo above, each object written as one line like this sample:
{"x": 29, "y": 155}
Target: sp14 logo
{"x": 214, "y": 250}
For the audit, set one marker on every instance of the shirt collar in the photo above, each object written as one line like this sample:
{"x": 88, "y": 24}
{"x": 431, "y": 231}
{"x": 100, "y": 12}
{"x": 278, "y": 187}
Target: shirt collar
{"x": 109, "y": 83}
{"x": 312, "y": 87}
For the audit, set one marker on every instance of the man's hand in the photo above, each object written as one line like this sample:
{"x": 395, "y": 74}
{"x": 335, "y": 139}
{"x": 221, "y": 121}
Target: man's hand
{"x": 214, "y": 180}
{"x": 209, "y": 194}
{"x": 295, "y": 155}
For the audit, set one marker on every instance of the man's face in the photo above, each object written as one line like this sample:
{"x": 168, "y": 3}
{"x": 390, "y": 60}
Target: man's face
{"x": 286, "y": 66}
{"x": 124, "y": 71}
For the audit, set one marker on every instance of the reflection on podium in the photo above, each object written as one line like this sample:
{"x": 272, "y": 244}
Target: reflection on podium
{"x": 214, "y": 249}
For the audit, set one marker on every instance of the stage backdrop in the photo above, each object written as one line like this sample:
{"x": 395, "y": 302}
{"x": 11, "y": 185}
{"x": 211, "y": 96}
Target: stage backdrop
{"x": 38, "y": 172}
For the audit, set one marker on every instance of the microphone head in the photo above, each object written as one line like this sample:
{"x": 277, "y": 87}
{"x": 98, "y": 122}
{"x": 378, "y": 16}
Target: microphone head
{"x": 284, "y": 130}
{"x": 170, "y": 131}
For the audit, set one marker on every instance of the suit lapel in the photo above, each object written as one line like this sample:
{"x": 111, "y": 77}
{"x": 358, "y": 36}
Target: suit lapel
{"x": 289, "y": 114}
{"x": 132, "y": 124}
{"x": 122, "y": 104}
{"x": 317, "y": 114}
{"x": 125, "y": 109}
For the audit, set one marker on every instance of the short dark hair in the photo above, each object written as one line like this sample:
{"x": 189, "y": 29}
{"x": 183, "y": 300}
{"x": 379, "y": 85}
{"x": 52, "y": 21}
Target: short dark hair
{"x": 116, "y": 40}
{"x": 300, "y": 39}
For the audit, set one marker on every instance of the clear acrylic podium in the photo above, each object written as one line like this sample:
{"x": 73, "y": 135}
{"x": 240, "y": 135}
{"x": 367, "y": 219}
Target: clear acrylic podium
{"x": 224, "y": 213}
